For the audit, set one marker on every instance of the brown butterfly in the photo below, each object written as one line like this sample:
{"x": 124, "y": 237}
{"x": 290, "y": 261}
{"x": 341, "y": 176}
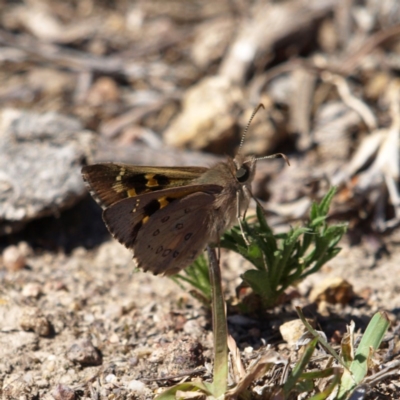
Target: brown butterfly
{"x": 167, "y": 215}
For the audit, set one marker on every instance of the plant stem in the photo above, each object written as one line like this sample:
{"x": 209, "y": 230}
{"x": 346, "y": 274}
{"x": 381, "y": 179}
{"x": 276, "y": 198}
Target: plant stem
{"x": 220, "y": 328}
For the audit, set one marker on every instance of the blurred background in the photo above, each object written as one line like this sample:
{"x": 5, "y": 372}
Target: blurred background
{"x": 174, "y": 82}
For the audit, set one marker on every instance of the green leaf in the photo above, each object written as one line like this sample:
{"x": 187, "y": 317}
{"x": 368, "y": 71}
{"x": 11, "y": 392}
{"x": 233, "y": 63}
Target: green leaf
{"x": 369, "y": 343}
{"x": 170, "y": 394}
{"x": 258, "y": 281}
{"x": 300, "y": 366}
{"x": 327, "y": 200}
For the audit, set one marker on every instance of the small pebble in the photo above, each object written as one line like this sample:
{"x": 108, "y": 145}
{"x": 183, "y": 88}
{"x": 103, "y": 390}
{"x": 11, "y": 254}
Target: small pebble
{"x": 63, "y": 392}
{"x": 292, "y": 331}
{"x": 110, "y": 378}
{"x": 83, "y": 352}
{"x": 193, "y": 328}
{"x": 157, "y": 356}
{"x": 33, "y": 320}
{"x": 133, "y": 361}
{"x": 142, "y": 352}
{"x": 332, "y": 290}
{"x": 136, "y": 386}
{"x": 42, "y": 383}
{"x": 13, "y": 258}
{"x": 114, "y": 338}
{"x": 32, "y": 290}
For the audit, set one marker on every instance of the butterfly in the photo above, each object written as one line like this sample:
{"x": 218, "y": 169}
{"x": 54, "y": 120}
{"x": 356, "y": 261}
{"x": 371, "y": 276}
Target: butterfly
{"x": 168, "y": 215}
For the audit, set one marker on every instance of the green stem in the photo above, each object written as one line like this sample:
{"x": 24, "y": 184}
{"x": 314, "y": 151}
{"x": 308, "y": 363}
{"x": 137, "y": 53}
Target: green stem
{"x": 219, "y": 326}
{"x": 321, "y": 340}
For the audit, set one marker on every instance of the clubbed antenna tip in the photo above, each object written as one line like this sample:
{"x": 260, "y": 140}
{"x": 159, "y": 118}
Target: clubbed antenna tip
{"x": 276, "y": 155}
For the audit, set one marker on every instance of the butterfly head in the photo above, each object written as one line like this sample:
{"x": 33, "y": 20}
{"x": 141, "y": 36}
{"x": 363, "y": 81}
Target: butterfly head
{"x": 245, "y": 169}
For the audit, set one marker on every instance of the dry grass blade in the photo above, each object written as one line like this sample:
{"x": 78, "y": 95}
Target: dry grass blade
{"x": 238, "y": 370}
{"x": 257, "y": 368}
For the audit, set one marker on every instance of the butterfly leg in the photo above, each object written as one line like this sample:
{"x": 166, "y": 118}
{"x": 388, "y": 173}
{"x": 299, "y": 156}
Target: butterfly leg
{"x": 239, "y": 218}
{"x": 256, "y": 200}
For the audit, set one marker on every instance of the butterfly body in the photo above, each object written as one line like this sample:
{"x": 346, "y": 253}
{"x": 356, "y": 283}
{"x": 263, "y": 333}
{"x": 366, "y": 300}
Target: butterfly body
{"x": 167, "y": 215}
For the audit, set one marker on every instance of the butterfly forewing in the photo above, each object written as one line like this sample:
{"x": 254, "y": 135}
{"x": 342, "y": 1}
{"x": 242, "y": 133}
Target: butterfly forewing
{"x": 111, "y": 182}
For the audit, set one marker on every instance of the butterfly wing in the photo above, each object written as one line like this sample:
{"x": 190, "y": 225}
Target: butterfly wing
{"x": 112, "y": 182}
{"x": 167, "y": 230}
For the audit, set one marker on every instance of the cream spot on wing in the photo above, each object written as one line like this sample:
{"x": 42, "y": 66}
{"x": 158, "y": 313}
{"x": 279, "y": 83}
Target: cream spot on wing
{"x": 136, "y": 205}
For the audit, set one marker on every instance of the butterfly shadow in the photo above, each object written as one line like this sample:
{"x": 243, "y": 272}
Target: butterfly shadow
{"x": 79, "y": 226}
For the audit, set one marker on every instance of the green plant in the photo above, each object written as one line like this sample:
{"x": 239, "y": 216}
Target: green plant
{"x": 282, "y": 260}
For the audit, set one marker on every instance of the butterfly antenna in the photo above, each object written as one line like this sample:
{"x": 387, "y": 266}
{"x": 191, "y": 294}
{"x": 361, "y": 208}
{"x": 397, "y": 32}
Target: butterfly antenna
{"x": 248, "y": 125}
{"x": 276, "y": 155}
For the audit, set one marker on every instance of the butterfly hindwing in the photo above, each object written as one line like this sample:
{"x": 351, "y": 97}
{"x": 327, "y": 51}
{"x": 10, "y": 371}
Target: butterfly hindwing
{"x": 176, "y": 235}
{"x": 166, "y": 229}
{"x": 112, "y": 182}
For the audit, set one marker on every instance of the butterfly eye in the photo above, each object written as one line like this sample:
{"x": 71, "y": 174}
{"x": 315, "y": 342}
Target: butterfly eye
{"x": 242, "y": 174}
